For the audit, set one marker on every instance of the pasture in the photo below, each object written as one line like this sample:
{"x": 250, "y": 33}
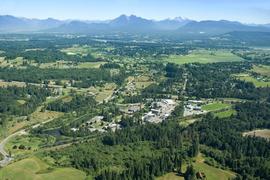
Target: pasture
{"x": 103, "y": 93}
{"x": 258, "y": 82}
{"x": 204, "y": 56}
{"x": 216, "y": 106}
{"x": 26, "y": 144}
{"x": 225, "y": 114}
{"x": 34, "y": 168}
{"x": 262, "y": 70}
{"x": 35, "y": 118}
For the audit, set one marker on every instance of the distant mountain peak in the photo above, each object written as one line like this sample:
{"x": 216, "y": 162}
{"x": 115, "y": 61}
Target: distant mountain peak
{"x": 125, "y": 23}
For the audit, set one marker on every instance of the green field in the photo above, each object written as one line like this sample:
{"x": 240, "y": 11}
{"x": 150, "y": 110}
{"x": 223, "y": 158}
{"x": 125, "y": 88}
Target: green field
{"x": 34, "y": 168}
{"x": 30, "y": 143}
{"x": 90, "y": 65}
{"x": 170, "y": 176}
{"x": 215, "y": 106}
{"x": 204, "y": 56}
{"x": 226, "y": 113}
{"x": 211, "y": 173}
{"x": 256, "y": 82}
{"x": 262, "y": 70}
{"x": 84, "y": 50}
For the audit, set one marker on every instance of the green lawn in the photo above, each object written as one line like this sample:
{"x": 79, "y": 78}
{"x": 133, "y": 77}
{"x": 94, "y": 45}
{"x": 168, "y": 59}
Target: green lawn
{"x": 204, "y": 56}
{"x": 256, "y": 82}
{"x": 225, "y": 114}
{"x": 34, "y": 168}
{"x": 215, "y": 106}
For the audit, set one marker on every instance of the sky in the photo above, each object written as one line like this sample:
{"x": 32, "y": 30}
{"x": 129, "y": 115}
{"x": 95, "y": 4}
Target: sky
{"x": 246, "y": 11}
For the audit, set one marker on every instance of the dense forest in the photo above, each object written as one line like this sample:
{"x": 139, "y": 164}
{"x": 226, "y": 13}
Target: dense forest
{"x": 22, "y": 100}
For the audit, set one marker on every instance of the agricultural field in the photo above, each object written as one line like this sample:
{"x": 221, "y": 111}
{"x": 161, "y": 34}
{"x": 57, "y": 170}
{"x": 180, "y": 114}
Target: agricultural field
{"x": 103, "y": 93}
{"x": 262, "y": 70}
{"x": 258, "y": 82}
{"x": 263, "y": 133}
{"x": 204, "y": 56}
{"x": 84, "y": 50}
{"x": 36, "y": 117}
{"x": 34, "y": 168}
{"x": 216, "y": 106}
{"x": 18, "y": 62}
{"x": 225, "y": 114}
{"x": 67, "y": 65}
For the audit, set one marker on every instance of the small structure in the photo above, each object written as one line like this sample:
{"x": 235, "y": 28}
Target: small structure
{"x": 74, "y": 129}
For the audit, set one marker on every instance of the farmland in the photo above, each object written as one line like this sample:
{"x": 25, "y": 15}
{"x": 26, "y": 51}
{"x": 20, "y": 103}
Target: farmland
{"x": 258, "y": 82}
{"x": 215, "y": 106}
{"x": 262, "y": 70}
{"x": 34, "y": 168}
{"x": 204, "y": 56}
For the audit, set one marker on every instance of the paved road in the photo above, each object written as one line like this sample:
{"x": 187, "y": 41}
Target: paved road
{"x": 7, "y": 159}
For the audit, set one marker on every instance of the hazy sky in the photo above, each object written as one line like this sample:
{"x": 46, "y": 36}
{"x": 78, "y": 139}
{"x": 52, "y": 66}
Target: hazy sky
{"x": 248, "y": 11}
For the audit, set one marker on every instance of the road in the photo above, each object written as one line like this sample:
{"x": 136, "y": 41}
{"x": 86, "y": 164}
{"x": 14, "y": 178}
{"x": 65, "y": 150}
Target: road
{"x": 6, "y": 158}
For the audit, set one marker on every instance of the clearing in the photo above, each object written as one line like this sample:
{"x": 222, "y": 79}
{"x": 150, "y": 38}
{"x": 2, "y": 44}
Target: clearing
{"x": 263, "y": 133}
{"x": 216, "y": 106}
{"x": 211, "y": 172}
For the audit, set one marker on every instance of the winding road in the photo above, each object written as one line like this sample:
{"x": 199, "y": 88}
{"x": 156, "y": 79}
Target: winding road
{"x": 6, "y": 157}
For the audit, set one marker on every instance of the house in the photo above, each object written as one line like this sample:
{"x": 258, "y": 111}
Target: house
{"x": 155, "y": 111}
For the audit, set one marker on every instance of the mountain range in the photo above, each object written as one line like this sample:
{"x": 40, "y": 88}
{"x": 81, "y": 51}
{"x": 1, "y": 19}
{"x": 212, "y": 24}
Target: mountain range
{"x": 123, "y": 23}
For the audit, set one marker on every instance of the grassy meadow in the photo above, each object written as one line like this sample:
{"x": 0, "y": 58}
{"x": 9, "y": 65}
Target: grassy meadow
{"x": 215, "y": 106}
{"x": 34, "y": 168}
{"x": 255, "y": 81}
{"x": 204, "y": 56}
